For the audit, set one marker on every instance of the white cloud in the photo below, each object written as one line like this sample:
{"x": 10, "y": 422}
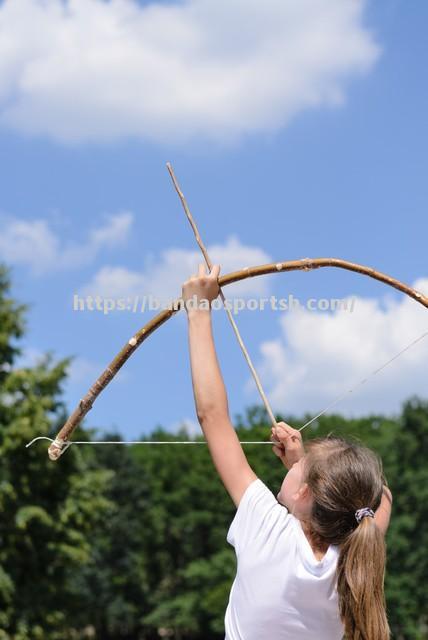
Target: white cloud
{"x": 163, "y": 279}
{"x": 83, "y": 371}
{"x": 33, "y": 243}
{"x": 80, "y": 371}
{"x": 29, "y": 358}
{"x": 319, "y": 356}
{"x": 81, "y": 70}
{"x": 190, "y": 426}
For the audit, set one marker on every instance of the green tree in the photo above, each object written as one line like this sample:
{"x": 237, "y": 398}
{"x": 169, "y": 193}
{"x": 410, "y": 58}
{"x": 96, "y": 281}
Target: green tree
{"x": 407, "y": 571}
{"x": 48, "y": 510}
{"x": 189, "y": 563}
{"x": 115, "y": 581}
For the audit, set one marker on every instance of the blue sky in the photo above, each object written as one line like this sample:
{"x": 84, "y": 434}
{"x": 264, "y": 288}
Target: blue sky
{"x": 281, "y": 155}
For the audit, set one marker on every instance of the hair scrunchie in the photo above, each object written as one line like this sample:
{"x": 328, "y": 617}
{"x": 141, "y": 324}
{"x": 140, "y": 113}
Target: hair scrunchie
{"x": 362, "y": 513}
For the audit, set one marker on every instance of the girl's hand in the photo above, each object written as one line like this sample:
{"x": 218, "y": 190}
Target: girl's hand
{"x": 288, "y": 445}
{"x": 200, "y": 290}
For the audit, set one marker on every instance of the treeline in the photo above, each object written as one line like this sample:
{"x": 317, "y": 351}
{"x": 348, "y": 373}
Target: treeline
{"x": 129, "y": 543}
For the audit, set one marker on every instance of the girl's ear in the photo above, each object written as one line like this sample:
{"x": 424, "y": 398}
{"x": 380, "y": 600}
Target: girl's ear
{"x": 304, "y": 492}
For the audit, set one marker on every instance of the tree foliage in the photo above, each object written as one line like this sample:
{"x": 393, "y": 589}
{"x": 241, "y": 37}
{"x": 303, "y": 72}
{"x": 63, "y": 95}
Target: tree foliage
{"x": 130, "y": 542}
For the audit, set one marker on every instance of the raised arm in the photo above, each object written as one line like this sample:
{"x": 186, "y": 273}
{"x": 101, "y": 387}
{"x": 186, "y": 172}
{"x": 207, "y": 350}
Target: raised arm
{"x": 208, "y": 387}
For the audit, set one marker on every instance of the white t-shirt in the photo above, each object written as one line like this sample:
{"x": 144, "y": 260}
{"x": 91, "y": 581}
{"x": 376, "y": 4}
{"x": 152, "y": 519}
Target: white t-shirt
{"x": 280, "y": 591}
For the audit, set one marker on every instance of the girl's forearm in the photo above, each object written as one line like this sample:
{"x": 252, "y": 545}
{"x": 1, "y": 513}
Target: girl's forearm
{"x": 208, "y": 386}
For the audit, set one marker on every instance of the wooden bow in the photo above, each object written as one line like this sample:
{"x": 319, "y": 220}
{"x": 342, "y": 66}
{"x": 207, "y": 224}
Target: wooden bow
{"x": 305, "y": 264}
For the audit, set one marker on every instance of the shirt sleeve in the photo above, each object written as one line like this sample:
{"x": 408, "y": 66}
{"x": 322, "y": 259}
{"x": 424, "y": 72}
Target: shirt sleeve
{"x": 257, "y": 510}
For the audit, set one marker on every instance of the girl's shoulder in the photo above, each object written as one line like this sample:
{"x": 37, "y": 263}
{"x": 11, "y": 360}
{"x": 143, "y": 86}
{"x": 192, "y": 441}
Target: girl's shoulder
{"x": 257, "y": 514}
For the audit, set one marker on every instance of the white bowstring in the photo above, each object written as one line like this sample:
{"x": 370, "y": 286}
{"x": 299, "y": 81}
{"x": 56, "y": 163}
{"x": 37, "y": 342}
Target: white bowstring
{"x": 138, "y": 441}
{"x": 332, "y": 404}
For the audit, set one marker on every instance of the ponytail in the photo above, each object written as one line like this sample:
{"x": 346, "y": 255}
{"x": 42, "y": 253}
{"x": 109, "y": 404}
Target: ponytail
{"x": 360, "y": 580}
{"x": 346, "y": 481}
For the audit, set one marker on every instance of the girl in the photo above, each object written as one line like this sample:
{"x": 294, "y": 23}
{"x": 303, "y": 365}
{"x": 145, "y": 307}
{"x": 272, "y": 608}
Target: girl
{"x": 310, "y": 562}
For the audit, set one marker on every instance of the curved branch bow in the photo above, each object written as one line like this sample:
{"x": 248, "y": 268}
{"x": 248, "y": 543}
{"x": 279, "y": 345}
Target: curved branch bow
{"x": 306, "y": 264}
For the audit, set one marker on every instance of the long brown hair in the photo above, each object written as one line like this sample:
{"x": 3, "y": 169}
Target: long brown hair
{"x": 344, "y": 476}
